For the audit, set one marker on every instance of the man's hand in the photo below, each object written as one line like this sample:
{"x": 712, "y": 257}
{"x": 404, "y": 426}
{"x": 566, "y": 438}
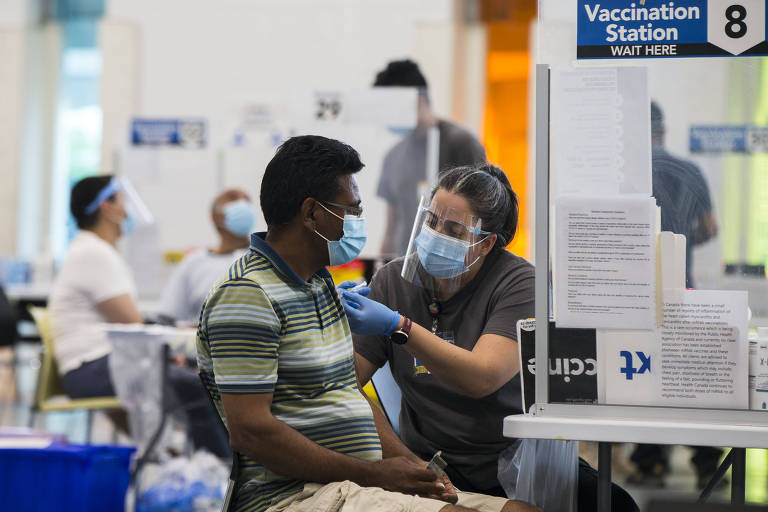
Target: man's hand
{"x": 449, "y": 494}
{"x": 402, "y": 474}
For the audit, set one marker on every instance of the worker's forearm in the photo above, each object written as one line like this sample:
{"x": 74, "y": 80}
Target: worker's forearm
{"x": 459, "y": 369}
{"x": 286, "y": 452}
{"x": 391, "y": 445}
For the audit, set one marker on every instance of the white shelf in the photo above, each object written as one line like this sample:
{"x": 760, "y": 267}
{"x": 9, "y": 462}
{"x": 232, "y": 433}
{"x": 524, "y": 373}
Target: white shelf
{"x": 695, "y": 433}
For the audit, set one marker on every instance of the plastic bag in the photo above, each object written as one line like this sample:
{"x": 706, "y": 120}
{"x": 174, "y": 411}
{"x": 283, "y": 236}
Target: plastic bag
{"x": 542, "y": 472}
{"x": 185, "y": 485}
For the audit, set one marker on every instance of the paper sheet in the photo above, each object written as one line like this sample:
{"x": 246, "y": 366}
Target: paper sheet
{"x": 704, "y": 349}
{"x": 600, "y": 123}
{"x": 698, "y": 358}
{"x": 605, "y": 262}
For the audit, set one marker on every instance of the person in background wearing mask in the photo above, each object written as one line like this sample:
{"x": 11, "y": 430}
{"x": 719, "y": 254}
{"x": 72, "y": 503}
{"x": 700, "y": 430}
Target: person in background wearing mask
{"x": 275, "y": 351}
{"x": 95, "y": 285}
{"x": 444, "y": 316}
{"x": 233, "y": 216}
{"x": 405, "y": 165}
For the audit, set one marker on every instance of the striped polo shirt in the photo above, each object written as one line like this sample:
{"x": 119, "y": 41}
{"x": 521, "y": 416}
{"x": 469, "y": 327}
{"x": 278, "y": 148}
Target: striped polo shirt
{"x": 263, "y": 329}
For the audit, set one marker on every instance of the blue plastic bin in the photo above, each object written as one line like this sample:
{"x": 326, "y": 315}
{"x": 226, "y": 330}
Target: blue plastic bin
{"x": 81, "y": 478}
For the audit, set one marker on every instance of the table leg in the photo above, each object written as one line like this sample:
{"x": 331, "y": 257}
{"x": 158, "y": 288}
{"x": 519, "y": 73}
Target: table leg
{"x": 165, "y": 354}
{"x": 719, "y": 474}
{"x": 738, "y": 475}
{"x": 604, "y": 477}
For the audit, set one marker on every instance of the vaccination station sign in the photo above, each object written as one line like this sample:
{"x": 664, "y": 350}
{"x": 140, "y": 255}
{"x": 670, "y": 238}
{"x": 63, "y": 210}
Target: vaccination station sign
{"x": 654, "y": 28}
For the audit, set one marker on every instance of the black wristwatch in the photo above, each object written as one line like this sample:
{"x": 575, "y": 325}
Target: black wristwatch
{"x": 400, "y": 336}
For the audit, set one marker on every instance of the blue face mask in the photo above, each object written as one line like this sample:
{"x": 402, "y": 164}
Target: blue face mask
{"x": 442, "y": 256}
{"x": 348, "y": 247}
{"x": 128, "y": 224}
{"x": 239, "y": 217}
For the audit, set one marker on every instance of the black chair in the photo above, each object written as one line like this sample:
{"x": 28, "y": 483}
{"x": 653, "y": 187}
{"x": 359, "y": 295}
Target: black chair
{"x": 8, "y": 332}
{"x": 8, "y": 337}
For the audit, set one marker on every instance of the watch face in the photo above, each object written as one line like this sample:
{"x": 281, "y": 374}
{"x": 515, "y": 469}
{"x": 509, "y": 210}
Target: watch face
{"x": 398, "y": 337}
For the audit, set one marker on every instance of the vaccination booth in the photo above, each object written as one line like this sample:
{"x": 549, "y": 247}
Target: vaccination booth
{"x": 651, "y": 237}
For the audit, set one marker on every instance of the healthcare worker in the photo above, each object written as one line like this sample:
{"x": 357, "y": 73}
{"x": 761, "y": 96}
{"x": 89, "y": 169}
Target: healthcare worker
{"x": 444, "y": 316}
{"x": 233, "y": 217}
{"x": 95, "y": 285}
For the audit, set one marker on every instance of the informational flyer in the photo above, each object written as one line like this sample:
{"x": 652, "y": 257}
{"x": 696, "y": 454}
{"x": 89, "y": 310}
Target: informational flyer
{"x": 704, "y": 349}
{"x": 698, "y": 358}
{"x": 600, "y": 122}
{"x": 605, "y": 262}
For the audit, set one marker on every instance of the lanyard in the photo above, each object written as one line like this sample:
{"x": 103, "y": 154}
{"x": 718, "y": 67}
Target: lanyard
{"x": 434, "y": 312}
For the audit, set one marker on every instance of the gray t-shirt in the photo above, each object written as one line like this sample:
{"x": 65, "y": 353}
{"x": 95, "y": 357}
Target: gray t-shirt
{"x": 434, "y": 417}
{"x": 405, "y": 166}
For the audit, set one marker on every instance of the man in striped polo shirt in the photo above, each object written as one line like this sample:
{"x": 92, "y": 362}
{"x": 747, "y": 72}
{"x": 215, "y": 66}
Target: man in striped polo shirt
{"x": 275, "y": 351}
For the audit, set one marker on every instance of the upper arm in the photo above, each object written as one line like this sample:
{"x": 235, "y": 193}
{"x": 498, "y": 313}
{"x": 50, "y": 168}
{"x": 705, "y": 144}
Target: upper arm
{"x": 246, "y": 414}
{"x": 120, "y": 310}
{"x": 499, "y": 355}
{"x": 384, "y": 189}
{"x": 364, "y": 370}
{"x": 173, "y": 302}
{"x": 102, "y": 275}
{"x": 243, "y": 333}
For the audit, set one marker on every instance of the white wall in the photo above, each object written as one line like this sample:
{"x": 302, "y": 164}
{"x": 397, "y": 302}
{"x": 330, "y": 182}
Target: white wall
{"x": 25, "y": 88}
{"x": 209, "y": 59}
{"x": 11, "y": 89}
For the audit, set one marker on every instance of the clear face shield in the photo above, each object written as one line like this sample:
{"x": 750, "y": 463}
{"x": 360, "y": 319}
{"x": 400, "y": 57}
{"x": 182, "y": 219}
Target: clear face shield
{"x": 136, "y": 210}
{"x": 443, "y": 247}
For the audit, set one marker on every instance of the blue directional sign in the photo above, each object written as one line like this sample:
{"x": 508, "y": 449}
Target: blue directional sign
{"x": 188, "y": 133}
{"x": 718, "y": 139}
{"x": 620, "y": 29}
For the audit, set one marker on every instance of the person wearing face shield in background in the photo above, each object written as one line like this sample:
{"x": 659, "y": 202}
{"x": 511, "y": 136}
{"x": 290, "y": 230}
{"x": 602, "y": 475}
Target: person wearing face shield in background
{"x": 444, "y": 316}
{"x": 233, "y": 216}
{"x": 95, "y": 285}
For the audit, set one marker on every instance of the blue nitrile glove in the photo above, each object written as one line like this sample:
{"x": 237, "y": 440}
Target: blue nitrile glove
{"x": 348, "y": 285}
{"x": 367, "y": 316}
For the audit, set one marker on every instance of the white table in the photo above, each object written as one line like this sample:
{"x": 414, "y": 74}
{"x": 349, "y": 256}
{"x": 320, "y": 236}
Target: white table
{"x": 28, "y": 292}
{"x": 681, "y": 426}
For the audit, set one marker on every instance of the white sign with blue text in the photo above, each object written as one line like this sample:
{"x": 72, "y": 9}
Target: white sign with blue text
{"x": 697, "y": 358}
{"x": 663, "y": 28}
{"x": 185, "y": 133}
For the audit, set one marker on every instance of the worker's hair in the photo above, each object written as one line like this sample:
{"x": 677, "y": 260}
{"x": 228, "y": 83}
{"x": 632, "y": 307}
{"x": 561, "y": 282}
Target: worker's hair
{"x": 401, "y": 73}
{"x": 83, "y": 193}
{"x": 489, "y": 194}
{"x": 304, "y": 166}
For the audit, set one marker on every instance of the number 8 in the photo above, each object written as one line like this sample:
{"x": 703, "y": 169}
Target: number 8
{"x": 735, "y": 21}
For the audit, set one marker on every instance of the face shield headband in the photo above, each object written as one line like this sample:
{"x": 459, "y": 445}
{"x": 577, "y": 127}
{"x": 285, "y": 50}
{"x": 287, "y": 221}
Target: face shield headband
{"x": 111, "y": 189}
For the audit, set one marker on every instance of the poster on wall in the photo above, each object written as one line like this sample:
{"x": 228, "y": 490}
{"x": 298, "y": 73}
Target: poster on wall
{"x": 620, "y": 29}
{"x": 183, "y": 133}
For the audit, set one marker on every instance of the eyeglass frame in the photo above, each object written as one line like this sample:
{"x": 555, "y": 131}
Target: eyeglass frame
{"x": 439, "y": 221}
{"x": 355, "y": 211}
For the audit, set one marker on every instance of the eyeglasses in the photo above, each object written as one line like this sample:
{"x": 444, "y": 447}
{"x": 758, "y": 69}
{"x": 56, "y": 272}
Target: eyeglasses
{"x": 451, "y": 228}
{"x": 355, "y": 211}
